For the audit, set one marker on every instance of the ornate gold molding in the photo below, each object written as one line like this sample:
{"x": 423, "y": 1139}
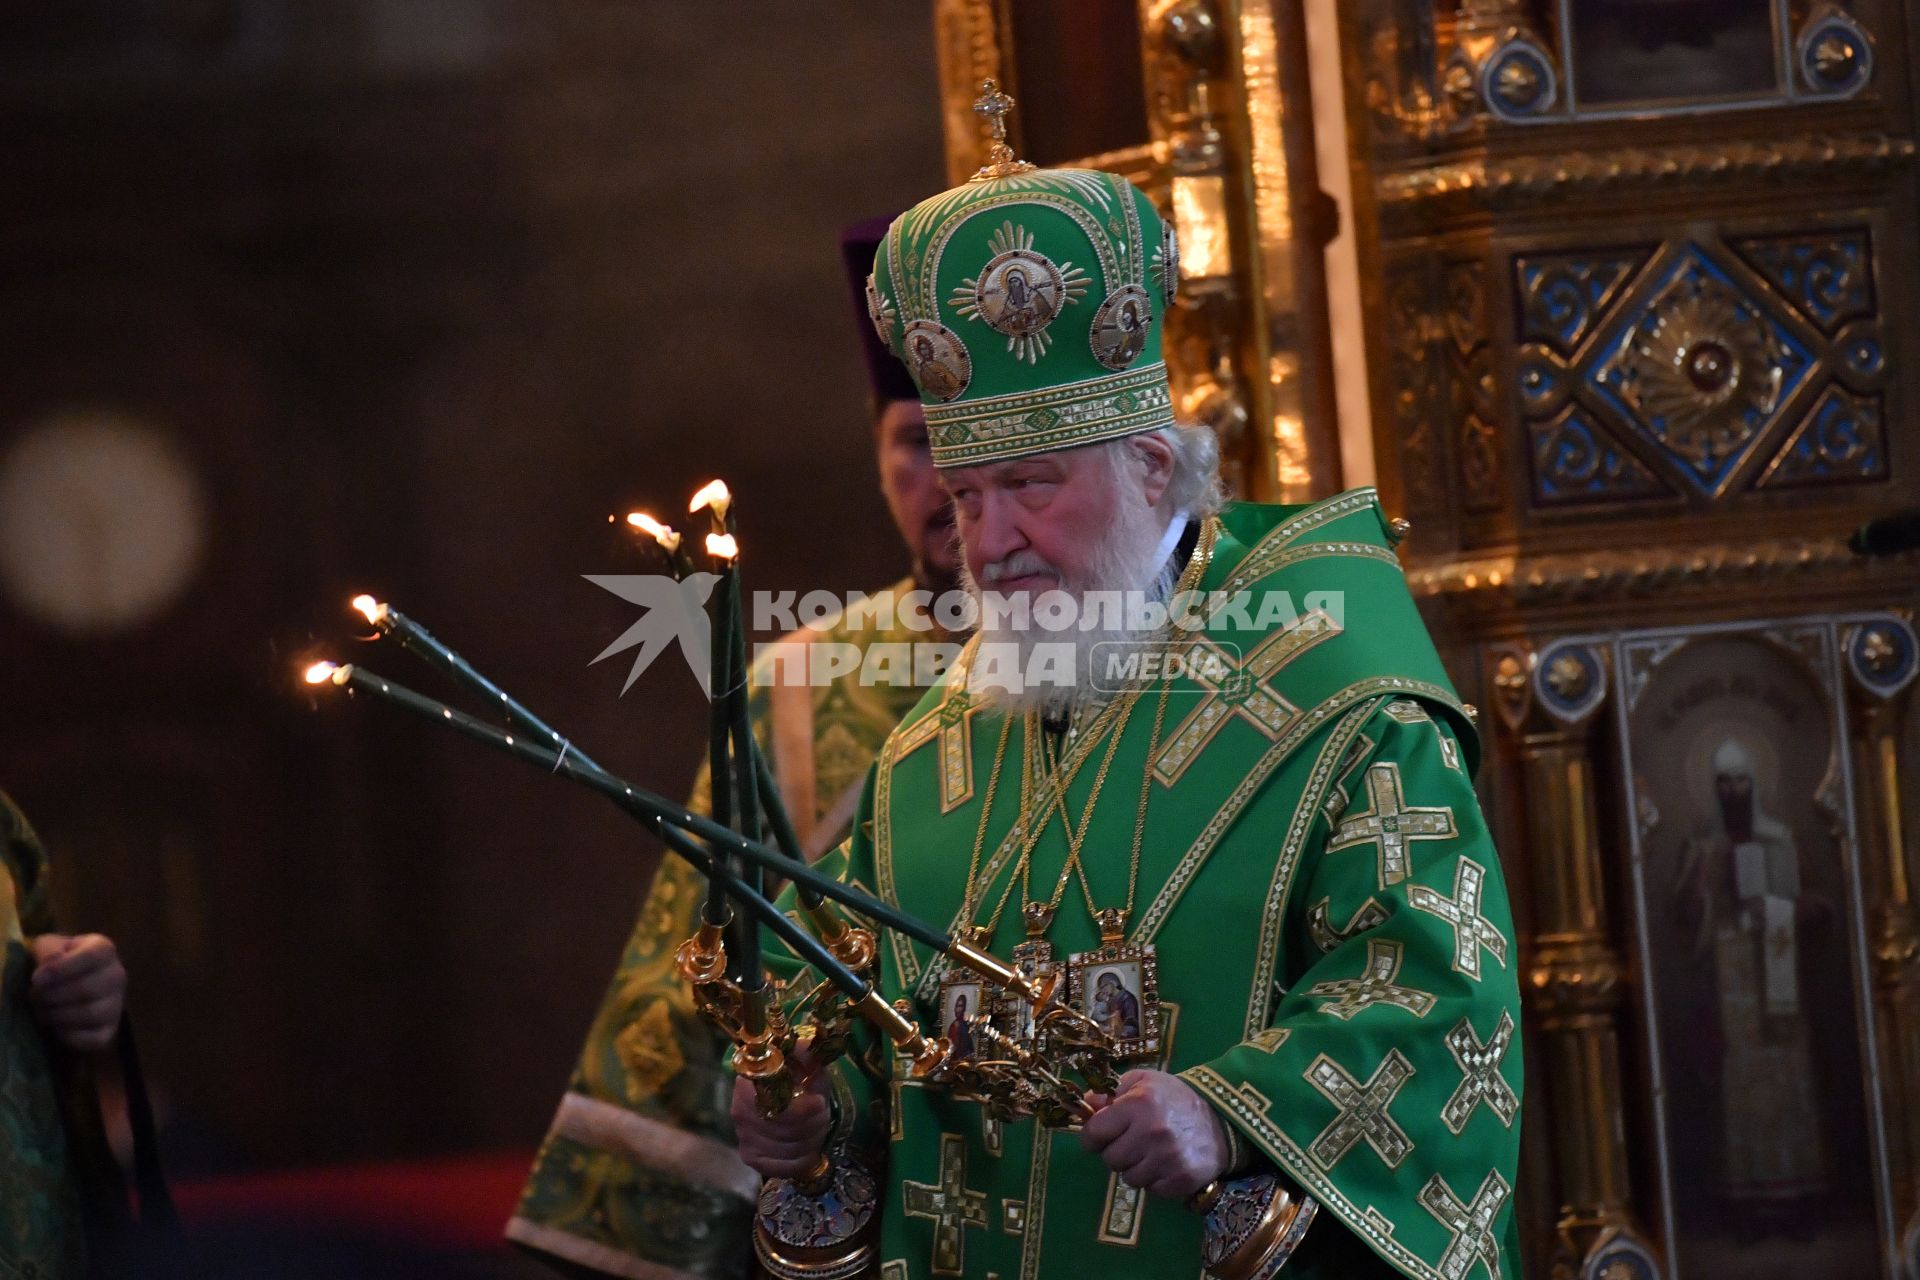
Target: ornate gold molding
{"x": 1483, "y": 181}
{"x": 1574, "y": 981}
{"x": 1145, "y": 166}
{"x": 1550, "y": 701}
{"x": 967, "y": 42}
{"x": 1882, "y": 654}
{"x": 1299, "y": 450}
{"x": 1185, "y": 57}
{"x": 1523, "y": 255}
{"x": 1509, "y": 580}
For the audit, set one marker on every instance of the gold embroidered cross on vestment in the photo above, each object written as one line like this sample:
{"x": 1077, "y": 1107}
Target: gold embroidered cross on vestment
{"x": 1391, "y": 826}
{"x": 951, "y": 1205}
{"x": 1363, "y": 1110}
{"x": 1238, "y": 688}
{"x": 1482, "y": 1082}
{"x": 1471, "y": 930}
{"x": 902, "y": 1078}
{"x": 952, "y": 724}
{"x": 1369, "y": 915}
{"x": 1375, "y": 985}
{"x": 1471, "y": 1225}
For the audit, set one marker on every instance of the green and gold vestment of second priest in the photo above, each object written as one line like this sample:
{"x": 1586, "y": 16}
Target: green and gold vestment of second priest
{"x": 1334, "y": 946}
{"x": 638, "y": 1175}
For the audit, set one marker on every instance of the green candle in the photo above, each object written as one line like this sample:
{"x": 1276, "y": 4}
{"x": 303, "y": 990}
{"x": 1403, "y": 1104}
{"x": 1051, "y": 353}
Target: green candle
{"x": 417, "y": 640}
{"x": 646, "y": 805}
{"x": 720, "y": 789}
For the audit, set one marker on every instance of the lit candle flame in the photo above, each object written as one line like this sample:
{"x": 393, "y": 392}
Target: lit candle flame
{"x": 716, "y": 495}
{"x": 321, "y": 672}
{"x": 660, "y": 533}
{"x": 722, "y": 546}
{"x": 375, "y": 611}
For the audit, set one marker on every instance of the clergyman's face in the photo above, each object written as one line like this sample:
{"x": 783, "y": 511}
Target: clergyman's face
{"x": 911, "y": 486}
{"x": 1034, "y": 524}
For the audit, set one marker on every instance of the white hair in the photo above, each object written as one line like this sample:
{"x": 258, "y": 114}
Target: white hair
{"x": 1194, "y": 487}
{"x": 1127, "y": 555}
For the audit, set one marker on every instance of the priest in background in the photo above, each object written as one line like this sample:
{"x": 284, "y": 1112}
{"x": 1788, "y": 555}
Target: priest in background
{"x": 638, "y": 1175}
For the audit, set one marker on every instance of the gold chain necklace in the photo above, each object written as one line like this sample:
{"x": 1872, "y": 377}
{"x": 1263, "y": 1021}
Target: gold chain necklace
{"x": 1115, "y": 985}
{"x": 1057, "y": 782}
{"x": 1113, "y": 925}
{"x": 1028, "y": 832}
{"x": 1038, "y": 914}
{"x": 980, "y": 832}
{"x": 1076, "y": 839}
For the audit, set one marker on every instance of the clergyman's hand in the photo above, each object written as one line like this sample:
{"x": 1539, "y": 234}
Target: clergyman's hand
{"x": 789, "y": 1144}
{"x": 78, "y": 989}
{"x": 1158, "y": 1133}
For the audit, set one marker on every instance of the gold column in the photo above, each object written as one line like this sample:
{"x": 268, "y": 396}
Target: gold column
{"x": 1230, "y": 110}
{"x": 1186, "y": 58}
{"x": 1287, "y": 229}
{"x": 1550, "y": 699}
{"x": 1881, "y": 656}
{"x": 970, "y": 37}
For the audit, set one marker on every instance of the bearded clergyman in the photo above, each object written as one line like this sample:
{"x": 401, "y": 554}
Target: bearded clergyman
{"x": 1202, "y": 756}
{"x": 637, "y": 1176}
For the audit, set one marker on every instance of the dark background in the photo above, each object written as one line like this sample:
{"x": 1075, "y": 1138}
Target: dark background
{"x": 424, "y": 290}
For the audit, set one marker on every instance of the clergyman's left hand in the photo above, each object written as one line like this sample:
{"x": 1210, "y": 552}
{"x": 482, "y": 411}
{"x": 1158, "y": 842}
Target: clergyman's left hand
{"x": 1158, "y": 1133}
{"x": 78, "y": 989}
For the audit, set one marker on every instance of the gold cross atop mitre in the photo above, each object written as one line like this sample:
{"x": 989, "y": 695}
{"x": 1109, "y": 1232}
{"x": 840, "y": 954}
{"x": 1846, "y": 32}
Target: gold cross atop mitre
{"x": 995, "y": 106}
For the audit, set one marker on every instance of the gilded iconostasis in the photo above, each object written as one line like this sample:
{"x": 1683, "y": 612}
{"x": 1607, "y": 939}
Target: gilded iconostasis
{"x": 1614, "y": 301}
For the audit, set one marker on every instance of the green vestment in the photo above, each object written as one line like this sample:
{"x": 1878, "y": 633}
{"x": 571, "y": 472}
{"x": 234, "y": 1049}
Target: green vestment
{"x": 1335, "y": 950}
{"x": 42, "y": 1227}
{"x": 638, "y": 1176}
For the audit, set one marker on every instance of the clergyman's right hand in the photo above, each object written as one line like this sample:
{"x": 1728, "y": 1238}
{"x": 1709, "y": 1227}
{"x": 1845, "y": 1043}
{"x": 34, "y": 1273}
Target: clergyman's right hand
{"x": 789, "y": 1144}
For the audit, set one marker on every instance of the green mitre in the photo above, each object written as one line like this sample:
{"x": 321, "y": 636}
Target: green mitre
{"x": 1026, "y": 303}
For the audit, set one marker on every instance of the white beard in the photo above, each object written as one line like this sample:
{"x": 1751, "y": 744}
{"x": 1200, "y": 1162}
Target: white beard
{"x": 1128, "y": 559}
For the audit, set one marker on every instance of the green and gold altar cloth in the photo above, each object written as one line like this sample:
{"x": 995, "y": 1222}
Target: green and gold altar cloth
{"x": 1335, "y": 952}
{"x": 637, "y": 1176}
